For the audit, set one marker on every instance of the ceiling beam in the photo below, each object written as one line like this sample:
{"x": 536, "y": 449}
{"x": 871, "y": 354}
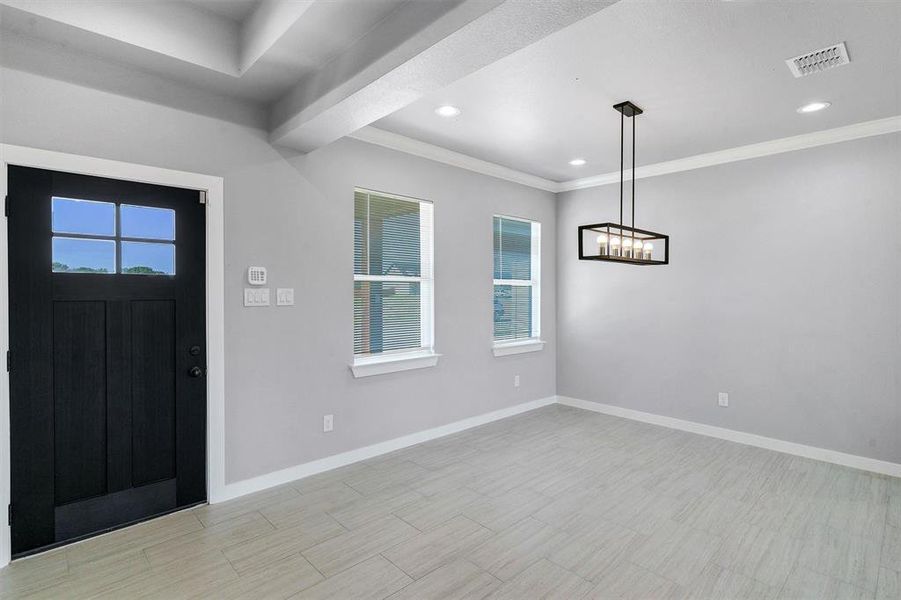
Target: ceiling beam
{"x": 265, "y": 26}
{"x": 174, "y": 29}
{"x": 366, "y": 83}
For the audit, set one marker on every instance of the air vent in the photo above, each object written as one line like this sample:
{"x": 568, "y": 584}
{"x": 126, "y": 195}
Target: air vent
{"x": 819, "y": 60}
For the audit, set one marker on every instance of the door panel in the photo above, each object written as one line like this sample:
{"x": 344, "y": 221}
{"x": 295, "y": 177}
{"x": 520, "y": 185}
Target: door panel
{"x": 153, "y": 390}
{"x": 101, "y": 513}
{"x": 107, "y": 297}
{"x": 79, "y": 393}
{"x": 118, "y": 397}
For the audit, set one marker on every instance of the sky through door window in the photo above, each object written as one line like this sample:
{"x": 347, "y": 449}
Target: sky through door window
{"x": 109, "y": 238}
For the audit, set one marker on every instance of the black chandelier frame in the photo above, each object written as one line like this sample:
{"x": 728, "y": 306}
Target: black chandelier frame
{"x": 606, "y": 251}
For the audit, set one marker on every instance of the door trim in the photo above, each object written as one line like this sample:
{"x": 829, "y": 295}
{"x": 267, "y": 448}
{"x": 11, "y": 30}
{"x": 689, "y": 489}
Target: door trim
{"x": 215, "y": 297}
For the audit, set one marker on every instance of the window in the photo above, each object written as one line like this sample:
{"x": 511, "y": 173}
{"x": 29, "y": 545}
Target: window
{"x": 393, "y": 300}
{"x": 104, "y": 237}
{"x": 517, "y": 286}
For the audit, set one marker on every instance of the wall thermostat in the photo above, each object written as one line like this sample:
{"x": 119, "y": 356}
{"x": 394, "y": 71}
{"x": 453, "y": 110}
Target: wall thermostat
{"x": 256, "y": 275}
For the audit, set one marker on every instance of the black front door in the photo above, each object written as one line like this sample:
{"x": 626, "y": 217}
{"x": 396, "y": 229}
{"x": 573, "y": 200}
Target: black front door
{"x": 107, "y": 354}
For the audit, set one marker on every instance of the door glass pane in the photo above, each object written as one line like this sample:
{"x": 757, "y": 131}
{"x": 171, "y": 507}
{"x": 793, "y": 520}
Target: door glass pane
{"x": 147, "y": 258}
{"x": 83, "y": 216}
{"x": 147, "y": 222}
{"x": 77, "y": 255}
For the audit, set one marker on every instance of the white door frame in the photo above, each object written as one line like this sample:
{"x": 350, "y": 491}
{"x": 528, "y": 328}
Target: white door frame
{"x": 215, "y": 297}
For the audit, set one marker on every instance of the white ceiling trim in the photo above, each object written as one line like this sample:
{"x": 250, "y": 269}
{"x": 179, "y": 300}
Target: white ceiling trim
{"x": 402, "y": 143}
{"x": 777, "y": 146}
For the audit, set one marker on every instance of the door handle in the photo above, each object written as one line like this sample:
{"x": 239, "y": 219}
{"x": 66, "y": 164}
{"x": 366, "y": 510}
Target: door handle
{"x": 195, "y": 371}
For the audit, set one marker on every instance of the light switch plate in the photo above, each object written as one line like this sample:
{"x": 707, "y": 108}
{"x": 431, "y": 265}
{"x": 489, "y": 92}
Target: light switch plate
{"x": 256, "y": 296}
{"x": 284, "y": 296}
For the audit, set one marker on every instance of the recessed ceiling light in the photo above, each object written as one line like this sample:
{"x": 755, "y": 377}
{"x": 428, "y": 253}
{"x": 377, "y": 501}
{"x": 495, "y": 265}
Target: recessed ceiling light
{"x": 447, "y": 111}
{"x": 577, "y": 162}
{"x": 814, "y": 107}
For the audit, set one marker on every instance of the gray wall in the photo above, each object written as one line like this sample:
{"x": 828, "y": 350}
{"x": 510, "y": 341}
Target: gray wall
{"x": 287, "y": 366}
{"x": 784, "y": 290}
{"x": 785, "y": 286}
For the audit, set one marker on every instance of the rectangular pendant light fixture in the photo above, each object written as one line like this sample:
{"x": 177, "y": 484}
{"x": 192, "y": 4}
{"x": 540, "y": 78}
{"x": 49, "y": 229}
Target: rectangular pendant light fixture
{"x": 617, "y": 242}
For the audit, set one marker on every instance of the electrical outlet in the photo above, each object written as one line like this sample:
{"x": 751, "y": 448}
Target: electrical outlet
{"x": 328, "y": 423}
{"x": 516, "y": 381}
{"x": 723, "y": 399}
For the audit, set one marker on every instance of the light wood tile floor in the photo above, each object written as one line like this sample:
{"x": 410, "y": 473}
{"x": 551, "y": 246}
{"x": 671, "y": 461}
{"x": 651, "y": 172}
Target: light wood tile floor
{"x": 555, "y": 503}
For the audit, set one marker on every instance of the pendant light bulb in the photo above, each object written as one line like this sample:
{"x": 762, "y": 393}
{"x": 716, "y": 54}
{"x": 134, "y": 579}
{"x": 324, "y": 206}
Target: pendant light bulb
{"x": 614, "y": 246}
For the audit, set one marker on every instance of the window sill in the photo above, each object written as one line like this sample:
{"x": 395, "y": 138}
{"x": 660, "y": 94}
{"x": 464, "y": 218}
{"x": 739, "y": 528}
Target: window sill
{"x": 379, "y": 365}
{"x": 521, "y": 347}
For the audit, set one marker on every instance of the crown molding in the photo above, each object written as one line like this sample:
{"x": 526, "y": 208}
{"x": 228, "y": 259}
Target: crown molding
{"x": 778, "y": 146}
{"x": 402, "y": 143}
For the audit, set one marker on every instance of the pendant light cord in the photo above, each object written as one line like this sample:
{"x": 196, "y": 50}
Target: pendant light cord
{"x": 634, "y": 118}
{"x": 622, "y": 118}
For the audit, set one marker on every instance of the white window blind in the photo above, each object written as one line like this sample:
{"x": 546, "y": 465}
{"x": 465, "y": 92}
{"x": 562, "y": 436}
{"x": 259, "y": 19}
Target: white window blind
{"x": 393, "y": 284}
{"x": 517, "y": 286}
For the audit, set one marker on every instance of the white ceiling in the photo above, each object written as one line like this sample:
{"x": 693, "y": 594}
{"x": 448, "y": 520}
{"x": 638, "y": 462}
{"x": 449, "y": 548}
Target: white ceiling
{"x": 234, "y": 10}
{"x": 319, "y": 32}
{"x": 535, "y": 80}
{"x": 308, "y": 71}
{"x": 710, "y": 76}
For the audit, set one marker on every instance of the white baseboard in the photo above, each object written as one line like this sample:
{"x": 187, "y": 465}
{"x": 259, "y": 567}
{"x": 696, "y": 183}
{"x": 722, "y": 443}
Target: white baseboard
{"x": 256, "y": 484}
{"x": 831, "y": 456}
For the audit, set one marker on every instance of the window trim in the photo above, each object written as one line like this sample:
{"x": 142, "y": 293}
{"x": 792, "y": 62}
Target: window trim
{"x": 365, "y": 365}
{"x": 520, "y": 346}
{"x": 533, "y": 343}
